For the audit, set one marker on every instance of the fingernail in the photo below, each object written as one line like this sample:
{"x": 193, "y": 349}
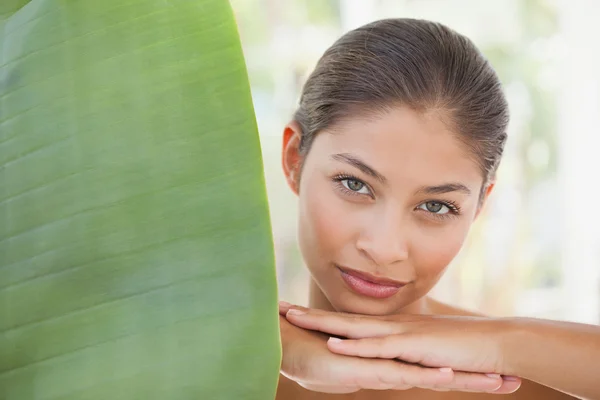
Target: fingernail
{"x": 294, "y": 311}
{"x": 284, "y": 304}
{"x": 446, "y": 369}
{"x": 510, "y": 378}
{"x": 493, "y": 376}
{"x": 334, "y": 340}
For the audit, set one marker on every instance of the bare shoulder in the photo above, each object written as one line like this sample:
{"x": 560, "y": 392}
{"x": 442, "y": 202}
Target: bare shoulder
{"x": 440, "y": 308}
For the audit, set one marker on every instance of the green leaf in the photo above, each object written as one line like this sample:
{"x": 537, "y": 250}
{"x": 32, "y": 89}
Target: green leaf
{"x": 136, "y": 257}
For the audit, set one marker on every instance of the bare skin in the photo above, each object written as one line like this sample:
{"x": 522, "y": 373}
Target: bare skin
{"x": 392, "y": 196}
{"x": 523, "y": 389}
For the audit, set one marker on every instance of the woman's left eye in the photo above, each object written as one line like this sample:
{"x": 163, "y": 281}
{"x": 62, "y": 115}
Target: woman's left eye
{"x": 355, "y": 185}
{"x": 435, "y": 207}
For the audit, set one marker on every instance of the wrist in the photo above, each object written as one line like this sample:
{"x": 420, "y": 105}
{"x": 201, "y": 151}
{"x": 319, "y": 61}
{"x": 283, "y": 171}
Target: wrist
{"x": 516, "y": 345}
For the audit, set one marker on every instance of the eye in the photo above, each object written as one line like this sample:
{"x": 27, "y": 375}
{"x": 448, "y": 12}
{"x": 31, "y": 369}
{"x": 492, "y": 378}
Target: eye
{"x": 435, "y": 207}
{"x": 355, "y": 185}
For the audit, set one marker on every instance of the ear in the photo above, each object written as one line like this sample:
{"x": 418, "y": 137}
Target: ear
{"x": 485, "y": 196}
{"x": 291, "y": 159}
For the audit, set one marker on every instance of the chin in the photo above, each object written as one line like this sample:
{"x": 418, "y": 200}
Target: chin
{"x": 349, "y": 302}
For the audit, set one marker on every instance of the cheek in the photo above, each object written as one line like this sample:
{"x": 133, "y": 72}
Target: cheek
{"x": 435, "y": 248}
{"x": 324, "y": 228}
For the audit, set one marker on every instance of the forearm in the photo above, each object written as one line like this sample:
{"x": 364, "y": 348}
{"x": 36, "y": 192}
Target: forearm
{"x": 561, "y": 355}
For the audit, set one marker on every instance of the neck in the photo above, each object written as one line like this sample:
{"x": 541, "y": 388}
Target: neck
{"x": 318, "y": 300}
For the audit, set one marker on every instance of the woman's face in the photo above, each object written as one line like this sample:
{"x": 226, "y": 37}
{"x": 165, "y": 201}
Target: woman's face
{"x": 385, "y": 204}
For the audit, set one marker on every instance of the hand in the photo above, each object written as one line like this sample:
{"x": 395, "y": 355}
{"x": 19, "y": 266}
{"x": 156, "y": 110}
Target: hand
{"x": 309, "y": 359}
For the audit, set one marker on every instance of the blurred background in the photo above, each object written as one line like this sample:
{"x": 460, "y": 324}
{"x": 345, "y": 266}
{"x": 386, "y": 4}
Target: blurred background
{"x": 536, "y": 249}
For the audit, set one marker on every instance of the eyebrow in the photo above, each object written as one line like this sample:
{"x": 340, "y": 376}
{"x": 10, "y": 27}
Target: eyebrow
{"x": 431, "y": 190}
{"x": 356, "y": 162}
{"x": 445, "y": 188}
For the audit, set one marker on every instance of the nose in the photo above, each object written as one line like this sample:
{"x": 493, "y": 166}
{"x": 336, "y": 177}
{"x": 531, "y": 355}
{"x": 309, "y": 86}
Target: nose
{"x": 384, "y": 241}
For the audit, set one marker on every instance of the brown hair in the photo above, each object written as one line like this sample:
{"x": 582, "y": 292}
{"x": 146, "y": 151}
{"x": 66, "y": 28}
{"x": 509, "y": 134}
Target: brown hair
{"x": 416, "y": 63}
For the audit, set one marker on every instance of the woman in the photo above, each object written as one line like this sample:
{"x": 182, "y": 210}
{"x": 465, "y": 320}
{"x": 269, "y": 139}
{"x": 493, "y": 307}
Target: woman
{"x": 393, "y": 153}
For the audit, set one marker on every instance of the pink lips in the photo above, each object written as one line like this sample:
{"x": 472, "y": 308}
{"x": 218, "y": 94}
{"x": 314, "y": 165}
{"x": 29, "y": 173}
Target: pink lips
{"x": 368, "y": 285}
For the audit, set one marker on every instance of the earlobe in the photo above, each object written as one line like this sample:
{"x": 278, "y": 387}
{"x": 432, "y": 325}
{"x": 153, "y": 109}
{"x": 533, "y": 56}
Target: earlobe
{"x": 291, "y": 159}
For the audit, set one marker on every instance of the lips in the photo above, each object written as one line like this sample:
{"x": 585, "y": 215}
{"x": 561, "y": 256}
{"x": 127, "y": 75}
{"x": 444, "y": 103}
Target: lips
{"x": 369, "y": 285}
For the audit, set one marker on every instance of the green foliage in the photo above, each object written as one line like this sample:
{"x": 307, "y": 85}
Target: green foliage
{"x": 136, "y": 259}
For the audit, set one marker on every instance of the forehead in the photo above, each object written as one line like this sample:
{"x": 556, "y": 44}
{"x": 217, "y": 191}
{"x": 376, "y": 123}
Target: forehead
{"x": 403, "y": 144}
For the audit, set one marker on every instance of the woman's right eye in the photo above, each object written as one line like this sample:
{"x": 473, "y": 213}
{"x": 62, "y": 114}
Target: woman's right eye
{"x": 355, "y": 185}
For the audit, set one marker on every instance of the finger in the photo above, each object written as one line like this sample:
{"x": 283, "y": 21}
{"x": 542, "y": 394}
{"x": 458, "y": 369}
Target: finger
{"x": 388, "y": 374}
{"x": 474, "y": 382}
{"x": 410, "y": 347}
{"x": 392, "y": 347}
{"x": 510, "y": 384}
{"x": 391, "y": 374}
{"x": 383, "y": 348}
{"x": 284, "y": 306}
{"x": 346, "y": 325}
{"x": 468, "y": 384}
{"x": 402, "y": 375}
